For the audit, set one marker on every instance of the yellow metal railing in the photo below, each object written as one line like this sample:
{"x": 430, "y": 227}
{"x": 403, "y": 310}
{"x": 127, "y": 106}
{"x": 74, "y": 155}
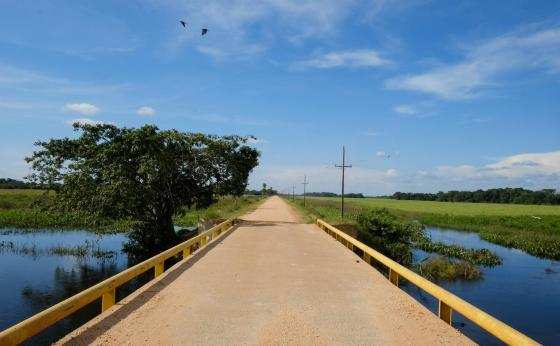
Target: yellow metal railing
{"x": 105, "y": 289}
{"x": 448, "y": 302}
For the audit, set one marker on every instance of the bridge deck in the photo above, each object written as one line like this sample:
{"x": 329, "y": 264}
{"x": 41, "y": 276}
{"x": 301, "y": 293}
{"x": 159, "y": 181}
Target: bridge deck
{"x": 271, "y": 281}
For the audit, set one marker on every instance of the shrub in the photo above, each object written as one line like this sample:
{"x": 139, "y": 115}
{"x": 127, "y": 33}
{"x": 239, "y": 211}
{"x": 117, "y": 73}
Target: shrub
{"x": 384, "y": 232}
{"x": 440, "y": 268}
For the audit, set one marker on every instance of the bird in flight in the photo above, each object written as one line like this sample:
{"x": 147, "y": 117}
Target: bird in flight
{"x": 184, "y": 24}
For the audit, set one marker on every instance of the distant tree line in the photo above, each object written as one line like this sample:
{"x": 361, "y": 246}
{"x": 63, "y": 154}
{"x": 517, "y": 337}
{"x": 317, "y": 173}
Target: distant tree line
{"x": 266, "y": 191}
{"x": 503, "y": 195}
{"x": 8, "y": 183}
{"x": 332, "y": 194}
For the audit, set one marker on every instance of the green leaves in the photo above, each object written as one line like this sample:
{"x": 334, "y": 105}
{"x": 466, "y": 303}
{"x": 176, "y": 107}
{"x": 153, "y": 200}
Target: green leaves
{"x": 144, "y": 174}
{"x": 386, "y": 233}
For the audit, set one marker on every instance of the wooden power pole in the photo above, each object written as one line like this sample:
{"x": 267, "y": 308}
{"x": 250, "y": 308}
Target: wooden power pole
{"x": 343, "y": 167}
{"x": 305, "y": 182}
{"x": 293, "y": 192}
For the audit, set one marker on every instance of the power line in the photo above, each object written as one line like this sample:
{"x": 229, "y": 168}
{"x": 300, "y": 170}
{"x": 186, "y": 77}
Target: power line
{"x": 343, "y": 167}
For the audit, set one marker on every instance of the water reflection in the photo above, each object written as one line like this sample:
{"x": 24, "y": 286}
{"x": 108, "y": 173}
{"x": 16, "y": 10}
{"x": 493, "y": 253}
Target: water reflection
{"x": 35, "y": 280}
{"x": 523, "y": 292}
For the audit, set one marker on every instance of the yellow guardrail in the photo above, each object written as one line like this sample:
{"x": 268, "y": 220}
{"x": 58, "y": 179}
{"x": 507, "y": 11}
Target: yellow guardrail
{"x": 105, "y": 289}
{"x": 448, "y": 302}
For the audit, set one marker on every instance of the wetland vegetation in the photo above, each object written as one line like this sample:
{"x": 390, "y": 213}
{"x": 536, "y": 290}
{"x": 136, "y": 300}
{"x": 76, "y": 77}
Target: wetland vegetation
{"x": 534, "y": 229}
{"x": 397, "y": 237}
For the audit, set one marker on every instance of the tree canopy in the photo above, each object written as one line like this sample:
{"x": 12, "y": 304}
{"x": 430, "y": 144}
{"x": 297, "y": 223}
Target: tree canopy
{"x": 144, "y": 174}
{"x": 504, "y": 195}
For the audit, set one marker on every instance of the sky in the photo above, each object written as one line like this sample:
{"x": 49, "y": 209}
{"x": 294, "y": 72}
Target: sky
{"x": 425, "y": 95}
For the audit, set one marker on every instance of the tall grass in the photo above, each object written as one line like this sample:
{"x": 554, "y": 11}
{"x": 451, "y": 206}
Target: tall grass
{"x": 89, "y": 248}
{"x": 33, "y": 219}
{"x": 438, "y": 268}
{"x": 23, "y": 198}
{"x": 224, "y": 208}
{"x": 30, "y": 210}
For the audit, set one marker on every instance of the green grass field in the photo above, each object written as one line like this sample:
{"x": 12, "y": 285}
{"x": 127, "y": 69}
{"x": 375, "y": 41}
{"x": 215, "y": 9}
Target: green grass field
{"x": 452, "y": 208}
{"x": 532, "y": 228}
{"x": 29, "y": 210}
{"x": 225, "y": 208}
{"x": 20, "y": 198}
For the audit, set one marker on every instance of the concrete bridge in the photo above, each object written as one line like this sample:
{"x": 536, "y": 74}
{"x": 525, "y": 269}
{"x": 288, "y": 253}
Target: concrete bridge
{"x": 272, "y": 280}
{"x": 267, "y": 280}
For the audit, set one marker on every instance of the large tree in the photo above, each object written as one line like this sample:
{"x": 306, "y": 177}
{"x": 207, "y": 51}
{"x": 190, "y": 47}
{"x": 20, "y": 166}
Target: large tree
{"x": 144, "y": 174}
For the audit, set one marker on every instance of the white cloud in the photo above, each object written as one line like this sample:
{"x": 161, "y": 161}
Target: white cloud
{"x": 536, "y": 165}
{"x": 527, "y": 164}
{"x": 321, "y": 178}
{"x": 391, "y": 172}
{"x": 532, "y": 170}
{"x": 243, "y": 27}
{"x": 381, "y": 153}
{"x": 486, "y": 64}
{"x": 370, "y": 133}
{"x": 85, "y": 121}
{"x": 146, "y": 111}
{"x": 348, "y": 58}
{"x": 405, "y": 109}
{"x": 81, "y": 108}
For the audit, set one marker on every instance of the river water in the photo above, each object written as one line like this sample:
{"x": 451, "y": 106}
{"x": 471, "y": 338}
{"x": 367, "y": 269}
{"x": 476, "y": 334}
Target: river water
{"x": 524, "y": 291}
{"x": 33, "y": 278}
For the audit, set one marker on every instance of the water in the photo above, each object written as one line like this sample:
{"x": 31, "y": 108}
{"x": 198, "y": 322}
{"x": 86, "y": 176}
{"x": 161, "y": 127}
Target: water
{"x": 33, "y": 279}
{"x": 523, "y": 292}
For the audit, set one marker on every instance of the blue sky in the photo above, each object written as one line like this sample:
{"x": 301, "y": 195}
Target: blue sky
{"x": 426, "y": 95}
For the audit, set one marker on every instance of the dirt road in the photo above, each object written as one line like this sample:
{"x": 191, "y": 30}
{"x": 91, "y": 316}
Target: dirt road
{"x": 270, "y": 281}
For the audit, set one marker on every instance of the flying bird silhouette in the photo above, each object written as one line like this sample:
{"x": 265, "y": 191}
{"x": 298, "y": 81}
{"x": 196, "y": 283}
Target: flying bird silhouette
{"x": 204, "y": 32}
{"x": 183, "y": 23}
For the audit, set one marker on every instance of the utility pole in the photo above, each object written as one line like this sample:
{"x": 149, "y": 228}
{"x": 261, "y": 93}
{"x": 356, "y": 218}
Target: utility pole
{"x": 293, "y": 192}
{"x": 305, "y": 182}
{"x": 343, "y": 167}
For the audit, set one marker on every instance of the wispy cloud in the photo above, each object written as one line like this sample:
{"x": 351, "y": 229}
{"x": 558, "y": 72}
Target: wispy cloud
{"x": 321, "y": 178}
{"x": 25, "y": 80}
{"x": 370, "y": 133}
{"x": 405, "y": 109}
{"x": 81, "y": 108}
{"x": 86, "y": 121}
{"x": 15, "y": 105}
{"x": 486, "y": 64}
{"x": 242, "y": 27}
{"x": 146, "y": 111}
{"x": 366, "y": 58}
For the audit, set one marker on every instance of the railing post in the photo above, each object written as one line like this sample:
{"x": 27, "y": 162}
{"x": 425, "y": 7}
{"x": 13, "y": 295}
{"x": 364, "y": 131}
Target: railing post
{"x": 159, "y": 269}
{"x": 107, "y": 299}
{"x": 186, "y": 252}
{"x": 445, "y": 312}
{"x": 393, "y": 277}
{"x": 367, "y": 258}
